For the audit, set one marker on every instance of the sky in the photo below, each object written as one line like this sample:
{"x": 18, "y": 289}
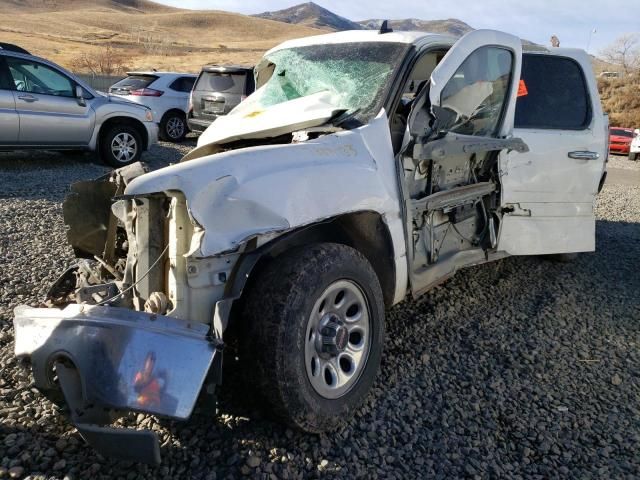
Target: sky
{"x": 573, "y": 21}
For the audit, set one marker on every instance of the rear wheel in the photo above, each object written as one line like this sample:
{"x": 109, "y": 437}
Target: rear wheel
{"x": 121, "y": 145}
{"x": 314, "y": 334}
{"x": 633, "y": 156}
{"x": 173, "y": 127}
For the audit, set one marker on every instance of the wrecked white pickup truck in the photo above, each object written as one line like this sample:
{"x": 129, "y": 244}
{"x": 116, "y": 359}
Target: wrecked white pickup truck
{"x": 367, "y": 166}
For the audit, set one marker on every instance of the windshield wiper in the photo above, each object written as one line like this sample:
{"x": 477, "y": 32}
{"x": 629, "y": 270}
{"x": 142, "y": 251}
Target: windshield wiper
{"x": 345, "y": 117}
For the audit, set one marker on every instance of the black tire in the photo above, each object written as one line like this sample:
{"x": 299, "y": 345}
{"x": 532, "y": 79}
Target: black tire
{"x": 277, "y": 313}
{"x": 633, "y": 156}
{"x": 127, "y": 132}
{"x": 173, "y": 127}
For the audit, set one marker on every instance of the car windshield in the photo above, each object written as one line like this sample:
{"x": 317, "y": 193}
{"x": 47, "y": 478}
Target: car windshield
{"x": 622, "y": 133}
{"x": 355, "y": 75}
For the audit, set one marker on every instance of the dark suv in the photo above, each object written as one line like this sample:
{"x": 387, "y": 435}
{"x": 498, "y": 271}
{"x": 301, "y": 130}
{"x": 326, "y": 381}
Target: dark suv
{"x": 217, "y": 91}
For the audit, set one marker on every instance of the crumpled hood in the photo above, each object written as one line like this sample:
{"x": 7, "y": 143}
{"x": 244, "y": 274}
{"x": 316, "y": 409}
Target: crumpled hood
{"x": 117, "y": 99}
{"x": 237, "y": 194}
{"x": 250, "y": 121}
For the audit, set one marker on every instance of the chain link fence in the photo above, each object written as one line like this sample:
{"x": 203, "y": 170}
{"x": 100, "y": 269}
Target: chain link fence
{"x": 100, "y": 82}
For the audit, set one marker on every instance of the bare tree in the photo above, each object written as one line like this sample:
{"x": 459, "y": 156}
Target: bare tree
{"x": 107, "y": 61}
{"x": 625, "y": 51}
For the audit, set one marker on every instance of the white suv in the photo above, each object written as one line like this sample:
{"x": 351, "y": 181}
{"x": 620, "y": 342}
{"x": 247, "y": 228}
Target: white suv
{"x": 634, "y": 151}
{"x": 166, "y": 93}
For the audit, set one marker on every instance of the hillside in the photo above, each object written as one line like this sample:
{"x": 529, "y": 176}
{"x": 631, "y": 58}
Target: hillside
{"x": 621, "y": 101}
{"x": 143, "y": 34}
{"x": 312, "y": 15}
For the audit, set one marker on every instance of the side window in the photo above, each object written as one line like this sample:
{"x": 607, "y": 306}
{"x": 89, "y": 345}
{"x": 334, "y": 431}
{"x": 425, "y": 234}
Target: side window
{"x": 552, "y": 95}
{"x": 6, "y": 82}
{"x": 183, "y": 84}
{"x": 476, "y": 95}
{"x": 33, "y": 77}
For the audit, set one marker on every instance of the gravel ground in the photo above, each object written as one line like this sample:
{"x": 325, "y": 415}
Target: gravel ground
{"x": 623, "y": 162}
{"x": 520, "y": 368}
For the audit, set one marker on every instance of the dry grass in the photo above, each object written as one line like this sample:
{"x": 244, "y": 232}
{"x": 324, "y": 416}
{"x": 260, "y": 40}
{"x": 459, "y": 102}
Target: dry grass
{"x": 621, "y": 100}
{"x": 149, "y": 35}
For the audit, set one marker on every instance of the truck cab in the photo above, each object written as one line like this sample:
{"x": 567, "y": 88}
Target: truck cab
{"x": 366, "y": 167}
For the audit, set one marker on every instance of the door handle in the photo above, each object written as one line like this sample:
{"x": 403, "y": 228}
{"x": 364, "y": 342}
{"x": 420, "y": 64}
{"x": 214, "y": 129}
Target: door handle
{"x": 28, "y": 98}
{"x": 584, "y": 155}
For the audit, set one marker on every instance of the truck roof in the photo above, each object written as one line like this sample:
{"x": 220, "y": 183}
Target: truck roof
{"x": 349, "y": 36}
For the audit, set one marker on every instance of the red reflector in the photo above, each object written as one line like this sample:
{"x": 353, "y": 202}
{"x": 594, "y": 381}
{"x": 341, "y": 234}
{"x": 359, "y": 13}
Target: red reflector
{"x": 522, "y": 89}
{"x": 146, "y": 92}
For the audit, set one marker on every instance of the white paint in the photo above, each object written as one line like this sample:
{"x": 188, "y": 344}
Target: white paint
{"x": 358, "y": 36}
{"x": 239, "y": 194}
{"x": 249, "y": 120}
{"x": 559, "y": 191}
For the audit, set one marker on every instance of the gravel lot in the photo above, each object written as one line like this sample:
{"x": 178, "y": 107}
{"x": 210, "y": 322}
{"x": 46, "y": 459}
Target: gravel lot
{"x": 521, "y": 368}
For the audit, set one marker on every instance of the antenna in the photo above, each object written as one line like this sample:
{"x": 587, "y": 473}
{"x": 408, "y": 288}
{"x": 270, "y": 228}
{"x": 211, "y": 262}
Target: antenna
{"x": 384, "y": 28}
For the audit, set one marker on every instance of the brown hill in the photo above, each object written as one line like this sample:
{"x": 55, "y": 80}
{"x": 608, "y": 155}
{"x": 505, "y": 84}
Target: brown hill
{"x": 144, "y": 34}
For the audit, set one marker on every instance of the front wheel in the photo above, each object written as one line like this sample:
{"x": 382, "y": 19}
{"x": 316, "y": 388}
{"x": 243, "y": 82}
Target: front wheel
{"x": 633, "y": 156}
{"x": 315, "y": 334}
{"x": 121, "y": 146}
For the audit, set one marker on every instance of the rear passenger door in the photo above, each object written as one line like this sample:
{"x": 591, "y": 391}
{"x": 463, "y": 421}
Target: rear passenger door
{"x": 548, "y": 193}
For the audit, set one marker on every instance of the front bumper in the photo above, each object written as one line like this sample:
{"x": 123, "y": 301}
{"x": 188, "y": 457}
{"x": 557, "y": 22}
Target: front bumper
{"x": 112, "y": 360}
{"x": 152, "y": 133}
{"x": 619, "y": 148}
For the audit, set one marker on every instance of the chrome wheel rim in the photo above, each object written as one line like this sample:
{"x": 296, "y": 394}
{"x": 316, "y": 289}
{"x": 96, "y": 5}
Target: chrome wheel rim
{"x": 124, "y": 147}
{"x": 338, "y": 339}
{"x": 175, "y": 127}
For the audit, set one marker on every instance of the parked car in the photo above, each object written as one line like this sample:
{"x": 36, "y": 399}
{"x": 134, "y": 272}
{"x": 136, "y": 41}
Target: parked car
{"x": 634, "y": 149}
{"x": 218, "y": 90}
{"x": 43, "y": 106}
{"x": 367, "y": 166}
{"x": 620, "y": 140}
{"x": 165, "y": 93}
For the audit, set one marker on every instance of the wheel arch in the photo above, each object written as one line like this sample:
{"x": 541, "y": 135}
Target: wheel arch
{"x": 365, "y": 231}
{"x": 122, "y": 120}
{"x": 173, "y": 110}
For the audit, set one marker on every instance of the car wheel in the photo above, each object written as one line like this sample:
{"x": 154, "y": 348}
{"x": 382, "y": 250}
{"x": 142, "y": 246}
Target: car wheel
{"x": 120, "y": 146}
{"x": 314, "y": 335}
{"x": 174, "y": 127}
{"x": 633, "y": 156}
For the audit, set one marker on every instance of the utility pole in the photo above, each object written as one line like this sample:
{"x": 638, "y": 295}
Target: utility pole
{"x": 591, "y": 32}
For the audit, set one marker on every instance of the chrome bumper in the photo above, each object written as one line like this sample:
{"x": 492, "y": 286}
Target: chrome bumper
{"x": 111, "y": 360}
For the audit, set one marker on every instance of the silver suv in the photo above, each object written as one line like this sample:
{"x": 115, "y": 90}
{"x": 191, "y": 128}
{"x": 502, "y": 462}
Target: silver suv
{"x": 43, "y": 106}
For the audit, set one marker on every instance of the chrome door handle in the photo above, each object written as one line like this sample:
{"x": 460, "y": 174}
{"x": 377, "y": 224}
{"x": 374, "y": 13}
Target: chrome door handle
{"x": 28, "y": 98}
{"x": 584, "y": 155}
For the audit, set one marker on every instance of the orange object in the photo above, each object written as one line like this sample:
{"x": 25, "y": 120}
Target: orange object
{"x": 522, "y": 89}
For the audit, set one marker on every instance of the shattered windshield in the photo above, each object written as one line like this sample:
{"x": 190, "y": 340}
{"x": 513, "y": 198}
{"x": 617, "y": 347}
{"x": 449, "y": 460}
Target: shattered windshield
{"x": 355, "y": 75}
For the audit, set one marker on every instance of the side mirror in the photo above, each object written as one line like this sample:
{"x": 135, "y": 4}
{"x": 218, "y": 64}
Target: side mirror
{"x": 80, "y": 96}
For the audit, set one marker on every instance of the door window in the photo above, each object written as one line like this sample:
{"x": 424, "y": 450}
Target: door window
{"x": 183, "y": 84}
{"x": 475, "y": 97}
{"x": 553, "y": 94}
{"x": 34, "y": 77}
